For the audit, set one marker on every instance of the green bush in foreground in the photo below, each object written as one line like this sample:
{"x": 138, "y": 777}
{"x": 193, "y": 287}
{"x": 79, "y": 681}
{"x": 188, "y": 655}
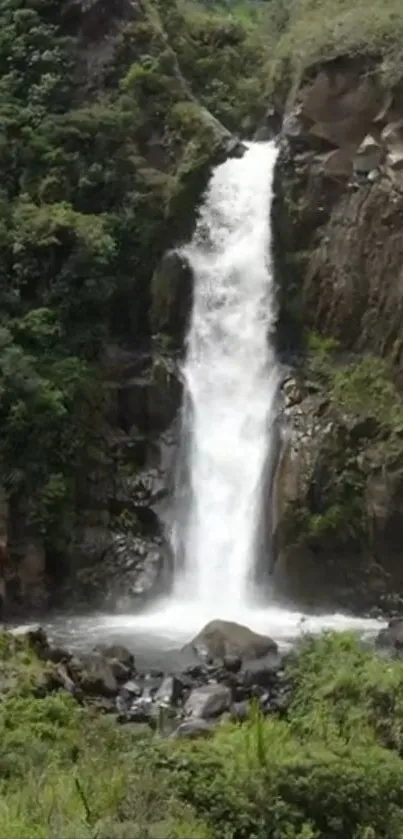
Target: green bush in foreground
{"x": 331, "y": 770}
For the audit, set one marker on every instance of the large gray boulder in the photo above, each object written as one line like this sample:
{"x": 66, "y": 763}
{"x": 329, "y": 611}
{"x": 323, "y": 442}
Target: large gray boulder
{"x": 221, "y": 638}
{"x": 208, "y": 701}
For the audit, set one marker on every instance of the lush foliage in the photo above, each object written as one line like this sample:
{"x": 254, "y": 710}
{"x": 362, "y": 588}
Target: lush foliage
{"x": 298, "y": 33}
{"x": 100, "y": 171}
{"x": 222, "y": 51}
{"x": 331, "y": 769}
{"x": 324, "y": 29}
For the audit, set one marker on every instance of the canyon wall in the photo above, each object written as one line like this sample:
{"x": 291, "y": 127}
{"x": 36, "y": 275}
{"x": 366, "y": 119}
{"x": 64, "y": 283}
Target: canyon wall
{"x": 339, "y": 213}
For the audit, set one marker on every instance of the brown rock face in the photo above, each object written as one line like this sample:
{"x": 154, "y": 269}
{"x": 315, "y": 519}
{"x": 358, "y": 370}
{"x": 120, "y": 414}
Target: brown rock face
{"x": 345, "y": 209}
{"x": 353, "y": 286}
{"x": 338, "y": 497}
{"x": 338, "y": 517}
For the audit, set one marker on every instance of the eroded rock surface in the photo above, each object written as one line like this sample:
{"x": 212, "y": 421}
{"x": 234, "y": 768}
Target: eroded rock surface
{"x": 338, "y": 489}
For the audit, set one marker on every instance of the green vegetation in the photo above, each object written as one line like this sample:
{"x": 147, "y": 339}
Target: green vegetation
{"x": 331, "y": 769}
{"x": 363, "y": 387}
{"x": 317, "y": 30}
{"x": 101, "y": 166}
{"x": 360, "y": 422}
{"x": 222, "y": 52}
{"x": 299, "y": 33}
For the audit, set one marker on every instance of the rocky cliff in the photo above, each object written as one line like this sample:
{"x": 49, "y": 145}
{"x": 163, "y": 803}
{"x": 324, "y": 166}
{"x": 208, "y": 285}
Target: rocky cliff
{"x": 339, "y": 484}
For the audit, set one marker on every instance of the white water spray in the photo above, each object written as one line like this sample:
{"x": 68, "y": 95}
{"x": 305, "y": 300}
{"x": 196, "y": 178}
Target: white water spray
{"x": 231, "y": 382}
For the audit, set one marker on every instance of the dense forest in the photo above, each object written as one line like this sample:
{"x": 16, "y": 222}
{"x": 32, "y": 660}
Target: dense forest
{"x": 105, "y": 147}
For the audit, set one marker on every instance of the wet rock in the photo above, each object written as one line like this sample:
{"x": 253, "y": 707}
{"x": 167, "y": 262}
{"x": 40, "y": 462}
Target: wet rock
{"x": 119, "y": 659}
{"x": 265, "y": 703}
{"x": 121, "y": 566}
{"x": 221, "y": 638}
{"x": 97, "y": 677}
{"x": 392, "y": 635}
{"x": 170, "y": 692}
{"x": 132, "y": 688}
{"x": 368, "y": 156}
{"x": 232, "y": 663}
{"x": 117, "y": 652}
{"x": 36, "y": 637}
{"x": 141, "y": 711}
{"x": 263, "y": 674}
{"x": 67, "y": 682}
{"x": 128, "y": 693}
{"x": 119, "y": 670}
{"x": 32, "y": 632}
{"x": 257, "y": 691}
{"x": 58, "y": 655}
{"x": 171, "y": 293}
{"x": 208, "y": 701}
{"x": 192, "y": 729}
{"x": 196, "y": 672}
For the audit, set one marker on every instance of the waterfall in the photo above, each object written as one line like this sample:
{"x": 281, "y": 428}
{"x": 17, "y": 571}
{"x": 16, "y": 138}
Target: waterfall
{"x": 231, "y": 379}
{"x": 227, "y": 435}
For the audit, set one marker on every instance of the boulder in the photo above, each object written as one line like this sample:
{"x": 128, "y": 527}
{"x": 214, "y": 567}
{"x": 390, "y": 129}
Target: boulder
{"x": 141, "y": 711}
{"x": 232, "y": 663}
{"x": 32, "y": 632}
{"x": 35, "y": 635}
{"x": 127, "y": 695}
{"x": 392, "y": 636}
{"x": 394, "y": 159}
{"x": 170, "y": 691}
{"x": 262, "y": 673}
{"x": 368, "y": 156}
{"x": 96, "y": 677}
{"x": 221, "y": 638}
{"x": 117, "y": 652}
{"x": 208, "y": 701}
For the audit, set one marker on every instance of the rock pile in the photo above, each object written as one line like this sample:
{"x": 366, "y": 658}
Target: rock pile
{"x": 232, "y": 668}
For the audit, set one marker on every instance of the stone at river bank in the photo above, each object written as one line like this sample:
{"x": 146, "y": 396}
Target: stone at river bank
{"x": 188, "y": 702}
{"x": 221, "y": 639}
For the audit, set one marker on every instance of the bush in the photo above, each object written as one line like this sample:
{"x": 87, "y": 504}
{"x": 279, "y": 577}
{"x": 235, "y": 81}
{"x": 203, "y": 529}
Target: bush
{"x": 332, "y": 770}
{"x": 272, "y": 784}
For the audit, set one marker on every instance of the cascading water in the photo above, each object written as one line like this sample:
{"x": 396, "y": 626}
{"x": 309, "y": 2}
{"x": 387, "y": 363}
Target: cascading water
{"x": 231, "y": 381}
{"x": 230, "y": 390}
